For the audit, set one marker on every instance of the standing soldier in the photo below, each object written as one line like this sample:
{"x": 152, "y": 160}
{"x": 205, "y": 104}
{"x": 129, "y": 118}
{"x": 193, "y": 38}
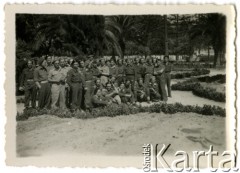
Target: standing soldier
{"x": 96, "y": 72}
{"x": 64, "y": 88}
{"x": 27, "y": 84}
{"x": 104, "y": 69}
{"x": 89, "y": 80}
{"x": 120, "y": 72}
{"x": 112, "y": 68}
{"x": 168, "y": 69}
{"x": 57, "y": 79}
{"x": 138, "y": 68}
{"x": 159, "y": 73}
{"x": 148, "y": 72}
{"x": 75, "y": 80}
{"x": 41, "y": 80}
{"x": 130, "y": 73}
{"x": 49, "y": 65}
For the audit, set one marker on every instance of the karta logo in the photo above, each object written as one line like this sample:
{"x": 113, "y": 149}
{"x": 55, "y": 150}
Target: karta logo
{"x": 154, "y": 159}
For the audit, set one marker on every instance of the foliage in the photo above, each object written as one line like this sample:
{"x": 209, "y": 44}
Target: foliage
{"x": 116, "y": 110}
{"x": 198, "y": 90}
{"x": 195, "y": 72}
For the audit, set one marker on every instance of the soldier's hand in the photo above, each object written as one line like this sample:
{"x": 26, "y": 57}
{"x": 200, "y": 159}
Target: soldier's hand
{"x": 21, "y": 88}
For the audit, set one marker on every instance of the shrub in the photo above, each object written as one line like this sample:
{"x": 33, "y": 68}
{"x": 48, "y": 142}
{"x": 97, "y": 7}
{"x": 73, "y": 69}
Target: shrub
{"x": 115, "y": 110}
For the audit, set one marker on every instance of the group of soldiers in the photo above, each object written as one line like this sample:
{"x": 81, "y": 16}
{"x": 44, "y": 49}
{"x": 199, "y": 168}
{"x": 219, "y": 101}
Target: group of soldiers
{"x": 79, "y": 84}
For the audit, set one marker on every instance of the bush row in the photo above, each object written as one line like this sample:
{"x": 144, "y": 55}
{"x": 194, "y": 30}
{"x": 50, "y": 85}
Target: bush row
{"x": 195, "y": 72}
{"x": 220, "y": 78}
{"x": 198, "y": 90}
{"x": 115, "y": 110}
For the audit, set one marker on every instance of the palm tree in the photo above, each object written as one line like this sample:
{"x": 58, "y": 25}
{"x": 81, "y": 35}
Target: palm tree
{"x": 212, "y": 26}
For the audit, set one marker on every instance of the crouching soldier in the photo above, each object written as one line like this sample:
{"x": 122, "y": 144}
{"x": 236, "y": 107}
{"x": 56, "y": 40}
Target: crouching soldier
{"x": 126, "y": 94}
{"x": 154, "y": 91}
{"x": 28, "y": 85}
{"x": 112, "y": 93}
{"x": 75, "y": 80}
{"x": 141, "y": 92}
{"x": 98, "y": 100}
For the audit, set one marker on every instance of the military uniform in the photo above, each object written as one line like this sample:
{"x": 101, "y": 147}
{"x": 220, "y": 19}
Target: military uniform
{"x": 41, "y": 77}
{"x": 89, "y": 80}
{"x": 148, "y": 74}
{"x": 140, "y": 70}
{"x": 113, "y": 71}
{"x": 154, "y": 92}
{"x": 168, "y": 69}
{"x": 57, "y": 78}
{"x": 104, "y": 74}
{"x": 141, "y": 93}
{"x": 126, "y": 95}
{"x": 75, "y": 80}
{"x": 160, "y": 78}
{"x": 130, "y": 74}
{"x": 27, "y": 81}
{"x": 120, "y": 74}
{"x": 99, "y": 101}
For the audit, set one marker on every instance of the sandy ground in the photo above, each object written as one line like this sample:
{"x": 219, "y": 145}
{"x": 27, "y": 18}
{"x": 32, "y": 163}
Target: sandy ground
{"x": 121, "y": 135}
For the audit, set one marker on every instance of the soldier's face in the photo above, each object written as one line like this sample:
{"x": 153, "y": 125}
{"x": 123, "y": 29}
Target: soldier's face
{"x": 62, "y": 63}
{"x": 98, "y": 83}
{"x": 49, "y": 60}
{"x": 140, "y": 81}
{"x": 75, "y": 65}
{"x": 29, "y": 64}
{"x": 122, "y": 86}
{"x": 112, "y": 63}
{"x": 56, "y": 64}
{"x": 82, "y": 64}
{"x": 108, "y": 87}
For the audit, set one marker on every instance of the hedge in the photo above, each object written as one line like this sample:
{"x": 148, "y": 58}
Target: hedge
{"x": 115, "y": 110}
{"x": 198, "y": 90}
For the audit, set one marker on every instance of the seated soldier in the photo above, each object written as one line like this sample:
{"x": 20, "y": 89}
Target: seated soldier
{"x": 126, "y": 94}
{"x": 97, "y": 84}
{"x": 113, "y": 81}
{"x": 112, "y": 93}
{"x": 98, "y": 100}
{"x": 141, "y": 92}
{"x": 153, "y": 90}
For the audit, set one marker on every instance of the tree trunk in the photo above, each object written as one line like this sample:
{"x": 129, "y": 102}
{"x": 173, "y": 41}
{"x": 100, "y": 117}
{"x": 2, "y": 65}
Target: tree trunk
{"x": 216, "y": 53}
{"x": 166, "y": 35}
{"x": 177, "y": 53}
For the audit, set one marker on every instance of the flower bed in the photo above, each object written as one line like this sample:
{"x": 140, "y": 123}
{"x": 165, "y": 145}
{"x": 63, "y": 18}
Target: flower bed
{"x": 198, "y": 90}
{"x": 115, "y": 110}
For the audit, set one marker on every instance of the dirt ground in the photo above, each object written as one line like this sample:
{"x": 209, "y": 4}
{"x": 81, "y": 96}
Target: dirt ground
{"x": 121, "y": 135}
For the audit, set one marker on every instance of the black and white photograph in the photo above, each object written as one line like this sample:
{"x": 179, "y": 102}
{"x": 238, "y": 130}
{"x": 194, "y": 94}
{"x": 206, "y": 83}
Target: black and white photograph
{"x": 111, "y": 85}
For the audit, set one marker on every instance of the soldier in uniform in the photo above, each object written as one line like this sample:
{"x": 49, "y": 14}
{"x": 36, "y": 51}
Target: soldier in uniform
{"x": 130, "y": 73}
{"x": 154, "y": 90}
{"x": 104, "y": 69}
{"x": 41, "y": 80}
{"x": 49, "y": 64}
{"x": 75, "y": 80}
{"x": 168, "y": 69}
{"x": 120, "y": 75}
{"x": 112, "y": 93}
{"x": 28, "y": 85}
{"x": 148, "y": 72}
{"x": 89, "y": 80}
{"x": 159, "y": 73}
{"x": 112, "y": 68}
{"x": 126, "y": 94}
{"x": 57, "y": 78}
{"x": 141, "y": 92}
{"x": 99, "y": 100}
{"x": 139, "y": 68}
